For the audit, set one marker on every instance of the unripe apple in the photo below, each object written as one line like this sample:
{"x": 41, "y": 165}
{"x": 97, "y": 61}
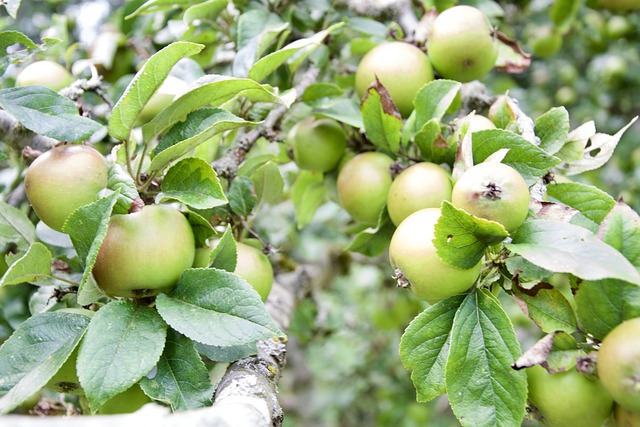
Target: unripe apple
{"x": 317, "y": 145}
{"x": 45, "y": 73}
{"x": 144, "y": 253}
{"x": 166, "y": 93}
{"x": 126, "y": 402}
{"x": 478, "y": 123}
{"x": 363, "y": 185}
{"x": 62, "y": 179}
{"x": 619, "y": 6}
{"x": 493, "y": 191}
{"x": 412, "y": 252}
{"x": 66, "y": 379}
{"x": 460, "y": 44}
{"x": 423, "y": 185}
{"x": 545, "y": 41}
{"x": 402, "y": 69}
{"x": 619, "y": 364}
{"x": 568, "y": 398}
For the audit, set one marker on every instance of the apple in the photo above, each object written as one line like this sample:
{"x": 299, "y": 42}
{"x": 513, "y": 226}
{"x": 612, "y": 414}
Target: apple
{"x": 620, "y": 6}
{"x": 460, "y": 44}
{"x": 62, "y": 179}
{"x": 402, "y": 68}
{"x": 144, "y": 253}
{"x": 45, "y": 73}
{"x": 318, "y": 145}
{"x": 363, "y": 186}
{"x": 412, "y": 253}
{"x": 126, "y": 402}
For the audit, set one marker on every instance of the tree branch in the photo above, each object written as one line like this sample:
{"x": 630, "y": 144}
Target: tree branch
{"x": 18, "y": 137}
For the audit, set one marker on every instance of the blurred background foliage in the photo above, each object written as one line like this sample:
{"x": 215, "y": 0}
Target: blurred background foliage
{"x": 343, "y": 367}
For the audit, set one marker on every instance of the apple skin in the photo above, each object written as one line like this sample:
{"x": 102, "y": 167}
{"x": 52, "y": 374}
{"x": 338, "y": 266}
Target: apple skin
{"x": 45, "y": 73}
{"x": 318, "y": 145}
{"x": 478, "y": 123}
{"x": 412, "y": 251}
{"x": 144, "y": 253}
{"x": 363, "y": 186}
{"x": 568, "y": 398}
{"x": 493, "y": 191}
{"x": 66, "y": 379}
{"x": 64, "y": 178}
{"x": 402, "y": 69}
{"x": 619, "y": 364}
{"x": 126, "y": 402}
{"x": 460, "y": 44}
{"x": 619, "y": 6}
{"x": 422, "y": 185}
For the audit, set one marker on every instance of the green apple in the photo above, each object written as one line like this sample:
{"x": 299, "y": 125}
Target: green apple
{"x": 126, "y": 402}
{"x": 318, "y": 145}
{"x": 45, "y": 73}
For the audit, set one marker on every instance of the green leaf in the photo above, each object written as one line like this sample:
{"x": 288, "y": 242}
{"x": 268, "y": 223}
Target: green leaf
{"x": 43, "y": 111}
{"x": 215, "y": 307}
{"x": 202, "y": 229}
{"x": 526, "y": 271}
{"x": 12, "y": 7}
{"x": 563, "y": 13}
{"x": 212, "y": 92}
{"x": 594, "y": 203}
{"x": 193, "y": 182}
{"x": 531, "y": 161}
{"x": 343, "y": 110}
{"x": 548, "y": 308}
{"x": 122, "y": 183}
{"x": 180, "y": 379}
{"x": 9, "y": 38}
{"x": 124, "y": 341}
{"x": 179, "y": 140}
{"x": 268, "y": 183}
{"x": 33, "y": 265}
{"x": 35, "y": 352}
{"x": 604, "y": 304}
{"x": 294, "y": 52}
{"x": 424, "y": 347}
{"x": 482, "y": 387}
{"x": 432, "y": 145}
{"x": 461, "y": 239}
{"x": 434, "y": 99}
{"x": 553, "y": 129}
{"x": 373, "y": 244}
{"x": 256, "y": 32}
{"x": 143, "y": 86}
{"x": 382, "y": 121}
{"x": 321, "y": 90}
{"x": 227, "y": 354}
{"x": 206, "y": 10}
{"x": 87, "y": 228}
{"x": 153, "y": 6}
{"x": 241, "y": 196}
{"x": 225, "y": 255}
{"x": 308, "y": 193}
{"x": 566, "y": 248}
{"x": 15, "y": 227}
{"x": 621, "y": 230}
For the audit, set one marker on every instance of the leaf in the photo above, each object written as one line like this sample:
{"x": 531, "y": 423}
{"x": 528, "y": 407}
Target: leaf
{"x": 227, "y": 354}
{"x": 621, "y": 230}
{"x": 153, "y": 6}
{"x": 206, "y": 10}
{"x": 461, "y": 239}
{"x": 35, "y": 352}
{"x": 43, "y": 111}
{"x": 566, "y": 248}
{"x": 124, "y": 341}
{"x": 215, "y": 307}
{"x": 320, "y": 90}
{"x": 343, "y": 110}
{"x": 268, "y": 183}
{"x": 597, "y": 153}
{"x": 531, "y": 161}
{"x": 424, "y": 347}
{"x": 87, "y": 228}
{"x": 180, "y": 378}
{"x": 12, "y": 7}
{"x": 604, "y": 304}
{"x": 202, "y": 229}
{"x": 122, "y": 183}
{"x": 241, "y": 196}
{"x": 526, "y": 271}
{"x": 548, "y": 308}
{"x": 9, "y": 38}
{"x": 308, "y": 193}
{"x": 301, "y": 48}
{"x": 553, "y": 129}
{"x": 33, "y": 265}
{"x": 481, "y": 386}
{"x": 144, "y": 85}
{"x": 594, "y": 203}
{"x": 212, "y": 92}
{"x": 256, "y": 31}
{"x": 382, "y": 121}
{"x": 193, "y": 182}
{"x": 434, "y": 99}
{"x": 15, "y": 227}
{"x": 373, "y": 244}
{"x": 563, "y": 13}
{"x": 225, "y": 255}
{"x": 433, "y": 147}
